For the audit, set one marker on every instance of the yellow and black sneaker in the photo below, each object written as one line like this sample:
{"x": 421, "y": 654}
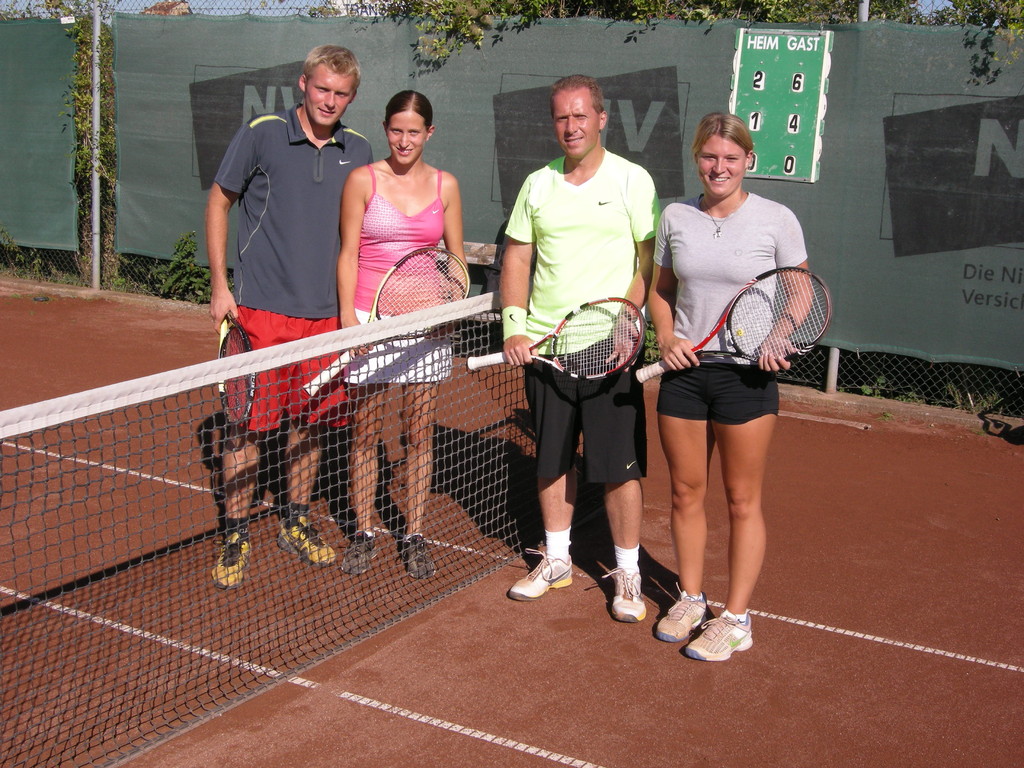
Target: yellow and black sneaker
{"x": 300, "y": 538}
{"x": 232, "y": 562}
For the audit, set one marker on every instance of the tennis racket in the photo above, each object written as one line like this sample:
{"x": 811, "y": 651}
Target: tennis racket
{"x": 236, "y": 394}
{"x": 784, "y": 311}
{"x": 595, "y": 340}
{"x": 424, "y": 278}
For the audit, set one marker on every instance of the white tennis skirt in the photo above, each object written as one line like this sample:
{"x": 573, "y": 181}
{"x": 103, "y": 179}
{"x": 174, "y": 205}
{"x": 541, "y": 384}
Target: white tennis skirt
{"x": 417, "y": 360}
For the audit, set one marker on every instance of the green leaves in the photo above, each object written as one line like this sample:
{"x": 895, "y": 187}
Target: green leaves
{"x": 182, "y": 278}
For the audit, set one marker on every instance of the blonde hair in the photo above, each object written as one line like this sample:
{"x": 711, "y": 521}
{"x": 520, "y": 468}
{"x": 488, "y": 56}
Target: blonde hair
{"x": 725, "y": 125}
{"x": 341, "y": 61}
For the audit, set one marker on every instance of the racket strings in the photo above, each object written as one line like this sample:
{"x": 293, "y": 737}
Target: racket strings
{"x": 599, "y": 339}
{"x": 426, "y": 278}
{"x": 786, "y": 313}
{"x": 237, "y": 399}
{"x": 237, "y": 392}
{"x": 234, "y": 343}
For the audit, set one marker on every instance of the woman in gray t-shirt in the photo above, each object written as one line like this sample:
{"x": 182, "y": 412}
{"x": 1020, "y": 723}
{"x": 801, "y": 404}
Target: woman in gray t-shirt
{"x": 707, "y": 249}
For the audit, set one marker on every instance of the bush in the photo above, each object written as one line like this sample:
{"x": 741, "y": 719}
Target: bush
{"x": 182, "y": 278}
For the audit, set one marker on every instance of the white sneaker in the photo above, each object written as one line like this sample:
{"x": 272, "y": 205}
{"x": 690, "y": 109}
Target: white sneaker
{"x": 550, "y": 574}
{"x": 683, "y": 618}
{"x": 719, "y": 638}
{"x": 628, "y": 603}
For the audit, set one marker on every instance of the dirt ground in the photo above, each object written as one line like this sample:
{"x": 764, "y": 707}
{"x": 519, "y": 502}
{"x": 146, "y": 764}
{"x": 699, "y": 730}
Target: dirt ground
{"x": 885, "y": 619}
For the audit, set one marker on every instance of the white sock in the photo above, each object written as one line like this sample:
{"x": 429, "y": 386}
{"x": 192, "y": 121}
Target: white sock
{"x": 696, "y": 598}
{"x": 742, "y": 618}
{"x": 628, "y": 559}
{"x": 557, "y": 544}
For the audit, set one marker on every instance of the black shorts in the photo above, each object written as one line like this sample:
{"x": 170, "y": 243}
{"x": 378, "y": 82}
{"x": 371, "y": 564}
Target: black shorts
{"x": 724, "y": 393}
{"x": 608, "y": 412}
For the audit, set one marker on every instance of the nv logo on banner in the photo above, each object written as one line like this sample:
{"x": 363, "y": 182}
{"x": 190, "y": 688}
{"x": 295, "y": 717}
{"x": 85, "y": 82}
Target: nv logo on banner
{"x": 956, "y": 177}
{"x": 643, "y": 122}
{"x": 221, "y": 105}
{"x": 643, "y": 126}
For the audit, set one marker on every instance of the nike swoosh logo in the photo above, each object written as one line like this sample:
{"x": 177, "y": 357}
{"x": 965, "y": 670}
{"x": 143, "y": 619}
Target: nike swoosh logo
{"x": 344, "y": 162}
{"x": 630, "y": 465}
{"x": 603, "y": 202}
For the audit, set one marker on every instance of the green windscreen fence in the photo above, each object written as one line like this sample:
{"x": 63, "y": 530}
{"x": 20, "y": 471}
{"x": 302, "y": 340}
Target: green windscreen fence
{"x": 902, "y": 158}
{"x": 37, "y": 135}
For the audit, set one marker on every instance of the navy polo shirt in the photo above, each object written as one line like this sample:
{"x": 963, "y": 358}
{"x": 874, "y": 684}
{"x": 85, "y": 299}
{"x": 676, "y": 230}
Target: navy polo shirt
{"x": 289, "y": 206}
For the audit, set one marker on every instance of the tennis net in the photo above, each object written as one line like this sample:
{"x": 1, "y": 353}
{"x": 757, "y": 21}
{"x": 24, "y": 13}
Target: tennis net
{"x": 112, "y": 632}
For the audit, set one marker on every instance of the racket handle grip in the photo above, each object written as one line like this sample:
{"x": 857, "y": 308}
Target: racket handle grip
{"x": 327, "y": 374}
{"x": 485, "y": 361}
{"x": 651, "y": 371}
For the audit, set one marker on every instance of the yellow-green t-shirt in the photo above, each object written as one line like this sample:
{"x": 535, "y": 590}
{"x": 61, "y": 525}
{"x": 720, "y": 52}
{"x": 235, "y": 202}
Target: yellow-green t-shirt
{"x": 584, "y": 236}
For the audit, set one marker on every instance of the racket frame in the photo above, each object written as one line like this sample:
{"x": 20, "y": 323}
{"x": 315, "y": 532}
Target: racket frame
{"x": 228, "y": 326}
{"x": 496, "y": 358}
{"x": 659, "y": 368}
{"x": 313, "y": 387}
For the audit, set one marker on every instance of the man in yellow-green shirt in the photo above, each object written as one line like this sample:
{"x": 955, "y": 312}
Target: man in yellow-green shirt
{"x": 591, "y": 217}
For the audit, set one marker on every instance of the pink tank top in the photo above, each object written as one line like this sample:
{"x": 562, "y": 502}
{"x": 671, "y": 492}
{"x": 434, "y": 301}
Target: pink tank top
{"x": 387, "y": 235}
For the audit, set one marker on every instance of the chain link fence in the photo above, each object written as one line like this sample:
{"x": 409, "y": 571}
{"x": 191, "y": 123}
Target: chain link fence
{"x": 118, "y": 272}
{"x": 973, "y": 388}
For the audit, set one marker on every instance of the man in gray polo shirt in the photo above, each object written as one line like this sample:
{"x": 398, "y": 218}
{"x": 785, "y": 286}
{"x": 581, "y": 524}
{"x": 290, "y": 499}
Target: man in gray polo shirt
{"x": 286, "y": 170}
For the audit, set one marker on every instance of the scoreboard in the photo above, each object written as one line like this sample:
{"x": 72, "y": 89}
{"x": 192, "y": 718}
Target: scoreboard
{"x": 779, "y": 83}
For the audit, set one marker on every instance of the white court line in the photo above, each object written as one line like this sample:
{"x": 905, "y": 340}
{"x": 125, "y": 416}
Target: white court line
{"x": 435, "y": 722}
{"x": 786, "y": 619}
{"x": 113, "y": 468}
{"x": 203, "y": 489}
{"x": 258, "y": 669}
{"x": 118, "y": 626}
{"x": 399, "y": 711}
{"x": 109, "y": 467}
{"x": 883, "y": 640}
{"x": 465, "y": 731}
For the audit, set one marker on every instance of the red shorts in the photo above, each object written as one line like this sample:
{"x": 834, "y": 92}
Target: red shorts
{"x": 281, "y": 389}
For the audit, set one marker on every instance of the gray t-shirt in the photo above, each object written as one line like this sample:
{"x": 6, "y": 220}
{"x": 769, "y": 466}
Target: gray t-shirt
{"x": 288, "y": 237}
{"x": 758, "y": 236}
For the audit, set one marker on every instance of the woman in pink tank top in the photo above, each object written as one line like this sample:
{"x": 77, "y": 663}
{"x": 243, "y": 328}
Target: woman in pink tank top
{"x": 389, "y": 208}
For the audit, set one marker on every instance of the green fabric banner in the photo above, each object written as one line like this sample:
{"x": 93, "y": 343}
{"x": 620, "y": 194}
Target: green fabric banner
{"x": 912, "y": 214}
{"x": 38, "y": 206}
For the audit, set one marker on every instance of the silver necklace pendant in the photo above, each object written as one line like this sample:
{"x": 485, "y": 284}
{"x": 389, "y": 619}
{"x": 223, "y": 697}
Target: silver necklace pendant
{"x": 718, "y": 224}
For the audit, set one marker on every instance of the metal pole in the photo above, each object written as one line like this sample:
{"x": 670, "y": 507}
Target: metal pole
{"x": 832, "y": 374}
{"x": 862, "y": 10}
{"x": 96, "y": 144}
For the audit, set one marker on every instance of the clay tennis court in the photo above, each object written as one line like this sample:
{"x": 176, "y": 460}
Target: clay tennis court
{"x": 886, "y": 620}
